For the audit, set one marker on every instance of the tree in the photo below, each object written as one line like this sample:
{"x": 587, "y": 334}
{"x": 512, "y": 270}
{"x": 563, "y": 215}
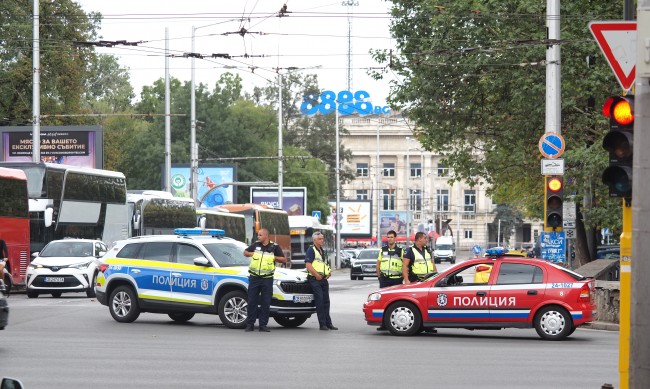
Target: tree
{"x": 474, "y": 83}
{"x": 508, "y": 219}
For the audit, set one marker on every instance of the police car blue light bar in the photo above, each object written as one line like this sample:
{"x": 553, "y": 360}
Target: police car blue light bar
{"x": 199, "y": 231}
{"x": 495, "y": 252}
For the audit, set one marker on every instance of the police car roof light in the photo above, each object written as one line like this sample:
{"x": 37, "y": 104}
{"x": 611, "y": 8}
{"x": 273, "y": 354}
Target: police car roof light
{"x": 199, "y": 231}
{"x": 495, "y": 252}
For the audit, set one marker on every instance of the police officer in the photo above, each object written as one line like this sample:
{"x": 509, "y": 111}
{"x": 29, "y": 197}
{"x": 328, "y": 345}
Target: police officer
{"x": 264, "y": 255}
{"x": 417, "y": 261}
{"x": 319, "y": 272}
{"x": 389, "y": 262}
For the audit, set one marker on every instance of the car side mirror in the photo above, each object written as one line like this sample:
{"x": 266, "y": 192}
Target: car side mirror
{"x": 101, "y": 254}
{"x": 35, "y": 254}
{"x": 47, "y": 216}
{"x": 201, "y": 261}
{"x": 10, "y": 383}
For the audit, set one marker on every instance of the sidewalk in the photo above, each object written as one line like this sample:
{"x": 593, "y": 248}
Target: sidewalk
{"x": 602, "y": 325}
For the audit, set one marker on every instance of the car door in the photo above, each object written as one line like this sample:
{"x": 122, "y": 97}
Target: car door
{"x": 152, "y": 272}
{"x": 518, "y": 288}
{"x": 456, "y": 298}
{"x": 190, "y": 283}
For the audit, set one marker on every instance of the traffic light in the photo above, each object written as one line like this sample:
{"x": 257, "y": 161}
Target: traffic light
{"x": 554, "y": 194}
{"x": 619, "y": 142}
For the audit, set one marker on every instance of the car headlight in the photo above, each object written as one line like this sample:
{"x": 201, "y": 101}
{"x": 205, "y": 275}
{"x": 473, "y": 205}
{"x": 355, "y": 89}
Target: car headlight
{"x": 81, "y": 265}
{"x": 277, "y": 283}
{"x": 35, "y": 266}
{"x": 374, "y": 297}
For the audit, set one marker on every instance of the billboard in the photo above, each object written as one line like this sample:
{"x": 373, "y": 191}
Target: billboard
{"x": 294, "y": 199}
{"x": 393, "y": 220}
{"x": 355, "y": 217}
{"x": 209, "y": 176}
{"x": 71, "y": 145}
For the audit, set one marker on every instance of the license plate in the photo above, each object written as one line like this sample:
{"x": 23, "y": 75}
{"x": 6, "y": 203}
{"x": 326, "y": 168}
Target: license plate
{"x": 370, "y": 269}
{"x": 303, "y": 299}
{"x": 54, "y": 279}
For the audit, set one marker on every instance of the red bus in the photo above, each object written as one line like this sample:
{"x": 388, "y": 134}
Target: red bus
{"x": 14, "y": 223}
{"x": 262, "y": 216}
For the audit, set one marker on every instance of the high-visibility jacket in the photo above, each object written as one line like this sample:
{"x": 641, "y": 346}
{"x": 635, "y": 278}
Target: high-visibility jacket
{"x": 390, "y": 261}
{"x": 319, "y": 264}
{"x": 422, "y": 265}
{"x": 262, "y": 262}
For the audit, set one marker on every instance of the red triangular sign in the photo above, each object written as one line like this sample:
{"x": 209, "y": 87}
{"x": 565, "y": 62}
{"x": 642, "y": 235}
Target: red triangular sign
{"x": 617, "y": 40}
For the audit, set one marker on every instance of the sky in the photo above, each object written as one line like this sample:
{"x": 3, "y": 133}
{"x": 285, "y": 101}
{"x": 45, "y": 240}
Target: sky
{"x": 313, "y": 38}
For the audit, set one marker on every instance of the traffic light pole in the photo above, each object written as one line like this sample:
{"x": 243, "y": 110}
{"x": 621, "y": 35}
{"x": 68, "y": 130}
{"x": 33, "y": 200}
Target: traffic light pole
{"x": 625, "y": 295}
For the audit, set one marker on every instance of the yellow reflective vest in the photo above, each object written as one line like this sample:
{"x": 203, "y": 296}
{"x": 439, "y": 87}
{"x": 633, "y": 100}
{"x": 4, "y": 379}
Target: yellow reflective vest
{"x": 422, "y": 265}
{"x": 263, "y": 263}
{"x": 319, "y": 264}
{"x": 390, "y": 261}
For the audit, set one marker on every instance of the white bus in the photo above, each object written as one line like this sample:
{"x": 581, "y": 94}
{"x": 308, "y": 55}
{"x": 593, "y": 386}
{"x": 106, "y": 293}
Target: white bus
{"x": 302, "y": 228}
{"x": 73, "y": 202}
{"x": 153, "y": 212}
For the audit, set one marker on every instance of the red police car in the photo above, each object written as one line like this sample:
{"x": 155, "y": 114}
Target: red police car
{"x": 519, "y": 293}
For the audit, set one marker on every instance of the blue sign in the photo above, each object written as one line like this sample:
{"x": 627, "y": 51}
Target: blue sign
{"x": 477, "y": 250}
{"x": 553, "y": 246}
{"x": 345, "y": 101}
{"x": 551, "y": 145}
{"x": 315, "y": 214}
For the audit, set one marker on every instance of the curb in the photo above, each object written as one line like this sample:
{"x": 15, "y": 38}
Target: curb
{"x": 602, "y": 325}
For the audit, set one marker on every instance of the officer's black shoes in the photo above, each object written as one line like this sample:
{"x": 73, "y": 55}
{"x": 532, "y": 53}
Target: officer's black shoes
{"x": 324, "y": 328}
{"x": 331, "y": 327}
{"x": 264, "y": 329}
{"x": 249, "y": 328}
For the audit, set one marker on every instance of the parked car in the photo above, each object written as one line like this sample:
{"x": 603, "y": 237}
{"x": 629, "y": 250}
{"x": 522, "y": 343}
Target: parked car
{"x": 346, "y": 259}
{"x": 63, "y": 266}
{"x": 519, "y": 293}
{"x": 365, "y": 264}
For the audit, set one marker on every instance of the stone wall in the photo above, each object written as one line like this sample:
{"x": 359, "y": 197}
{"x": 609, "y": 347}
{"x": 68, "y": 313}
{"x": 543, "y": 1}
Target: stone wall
{"x": 608, "y": 301}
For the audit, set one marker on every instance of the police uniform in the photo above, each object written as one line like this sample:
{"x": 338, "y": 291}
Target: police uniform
{"x": 390, "y": 266}
{"x": 260, "y": 281}
{"x": 320, "y": 288}
{"x": 420, "y": 263}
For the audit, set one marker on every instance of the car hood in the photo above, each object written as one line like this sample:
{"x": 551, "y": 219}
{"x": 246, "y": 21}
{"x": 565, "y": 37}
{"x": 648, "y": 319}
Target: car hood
{"x": 61, "y": 261}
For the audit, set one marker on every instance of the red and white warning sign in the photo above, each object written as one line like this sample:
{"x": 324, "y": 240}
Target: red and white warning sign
{"x": 617, "y": 40}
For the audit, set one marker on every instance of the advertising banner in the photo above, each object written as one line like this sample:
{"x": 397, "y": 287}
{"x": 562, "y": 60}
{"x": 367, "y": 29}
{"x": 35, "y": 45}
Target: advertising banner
{"x": 355, "y": 217}
{"x": 69, "y": 145}
{"x": 210, "y": 177}
{"x": 393, "y": 220}
{"x": 553, "y": 246}
{"x": 294, "y": 199}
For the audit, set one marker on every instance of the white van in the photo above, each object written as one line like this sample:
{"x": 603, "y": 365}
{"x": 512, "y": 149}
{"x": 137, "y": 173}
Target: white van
{"x": 445, "y": 250}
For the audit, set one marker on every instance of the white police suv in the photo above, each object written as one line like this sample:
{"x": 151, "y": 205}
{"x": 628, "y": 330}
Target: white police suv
{"x": 194, "y": 271}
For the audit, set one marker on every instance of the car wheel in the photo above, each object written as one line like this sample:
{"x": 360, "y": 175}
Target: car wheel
{"x": 290, "y": 321}
{"x": 436, "y": 261}
{"x": 123, "y": 304}
{"x": 353, "y": 277}
{"x": 233, "y": 309}
{"x": 453, "y": 261}
{"x": 90, "y": 292}
{"x": 181, "y": 317}
{"x": 31, "y": 294}
{"x": 403, "y": 319}
{"x": 553, "y": 323}
{"x": 56, "y": 294}
{"x": 360, "y": 278}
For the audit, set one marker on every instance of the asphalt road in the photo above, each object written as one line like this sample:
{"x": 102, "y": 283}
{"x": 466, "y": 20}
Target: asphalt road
{"x": 72, "y": 342}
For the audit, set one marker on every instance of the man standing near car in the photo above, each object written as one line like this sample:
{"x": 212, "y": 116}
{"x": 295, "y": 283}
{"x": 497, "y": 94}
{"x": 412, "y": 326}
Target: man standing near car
{"x": 389, "y": 262}
{"x": 417, "y": 261}
{"x": 264, "y": 255}
{"x": 319, "y": 272}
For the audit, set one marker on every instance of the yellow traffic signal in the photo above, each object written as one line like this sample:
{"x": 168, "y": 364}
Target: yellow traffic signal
{"x": 619, "y": 143}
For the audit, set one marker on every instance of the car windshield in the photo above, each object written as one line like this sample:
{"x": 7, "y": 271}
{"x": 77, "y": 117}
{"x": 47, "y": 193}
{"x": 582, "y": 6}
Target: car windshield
{"x": 443, "y": 247}
{"x": 67, "y": 249}
{"x": 228, "y": 254}
{"x": 368, "y": 254}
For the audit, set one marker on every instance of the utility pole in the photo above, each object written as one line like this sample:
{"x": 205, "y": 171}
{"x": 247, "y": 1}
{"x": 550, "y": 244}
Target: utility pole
{"x": 168, "y": 131}
{"x": 280, "y": 177}
{"x": 36, "y": 87}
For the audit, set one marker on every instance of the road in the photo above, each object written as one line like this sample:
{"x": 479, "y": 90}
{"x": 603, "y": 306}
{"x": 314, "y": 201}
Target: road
{"x": 72, "y": 342}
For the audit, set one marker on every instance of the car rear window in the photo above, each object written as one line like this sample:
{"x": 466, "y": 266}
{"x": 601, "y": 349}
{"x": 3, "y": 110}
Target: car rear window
{"x": 570, "y": 273}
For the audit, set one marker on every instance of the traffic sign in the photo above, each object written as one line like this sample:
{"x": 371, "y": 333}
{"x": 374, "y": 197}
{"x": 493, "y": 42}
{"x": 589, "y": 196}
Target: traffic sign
{"x": 552, "y": 167}
{"x": 617, "y": 40}
{"x": 570, "y": 233}
{"x": 315, "y": 214}
{"x": 551, "y": 145}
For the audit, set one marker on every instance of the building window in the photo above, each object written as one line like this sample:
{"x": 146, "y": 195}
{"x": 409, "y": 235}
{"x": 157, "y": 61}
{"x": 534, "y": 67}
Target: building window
{"x": 362, "y": 170}
{"x": 415, "y": 200}
{"x": 468, "y": 234}
{"x": 443, "y": 171}
{"x": 416, "y": 170}
{"x": 470, "y": 200}
{"x": 388, "y": 199}
{"x": 389, "y": 170}
{"x": 362, "y": 194}
{"x": 442, "y": 200}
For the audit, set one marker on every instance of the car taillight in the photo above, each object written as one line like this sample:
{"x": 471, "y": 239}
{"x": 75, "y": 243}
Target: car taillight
{"x": 481, "y": 268}
{"x": 585, "y": 293}
{"x": 103, "y": 267}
